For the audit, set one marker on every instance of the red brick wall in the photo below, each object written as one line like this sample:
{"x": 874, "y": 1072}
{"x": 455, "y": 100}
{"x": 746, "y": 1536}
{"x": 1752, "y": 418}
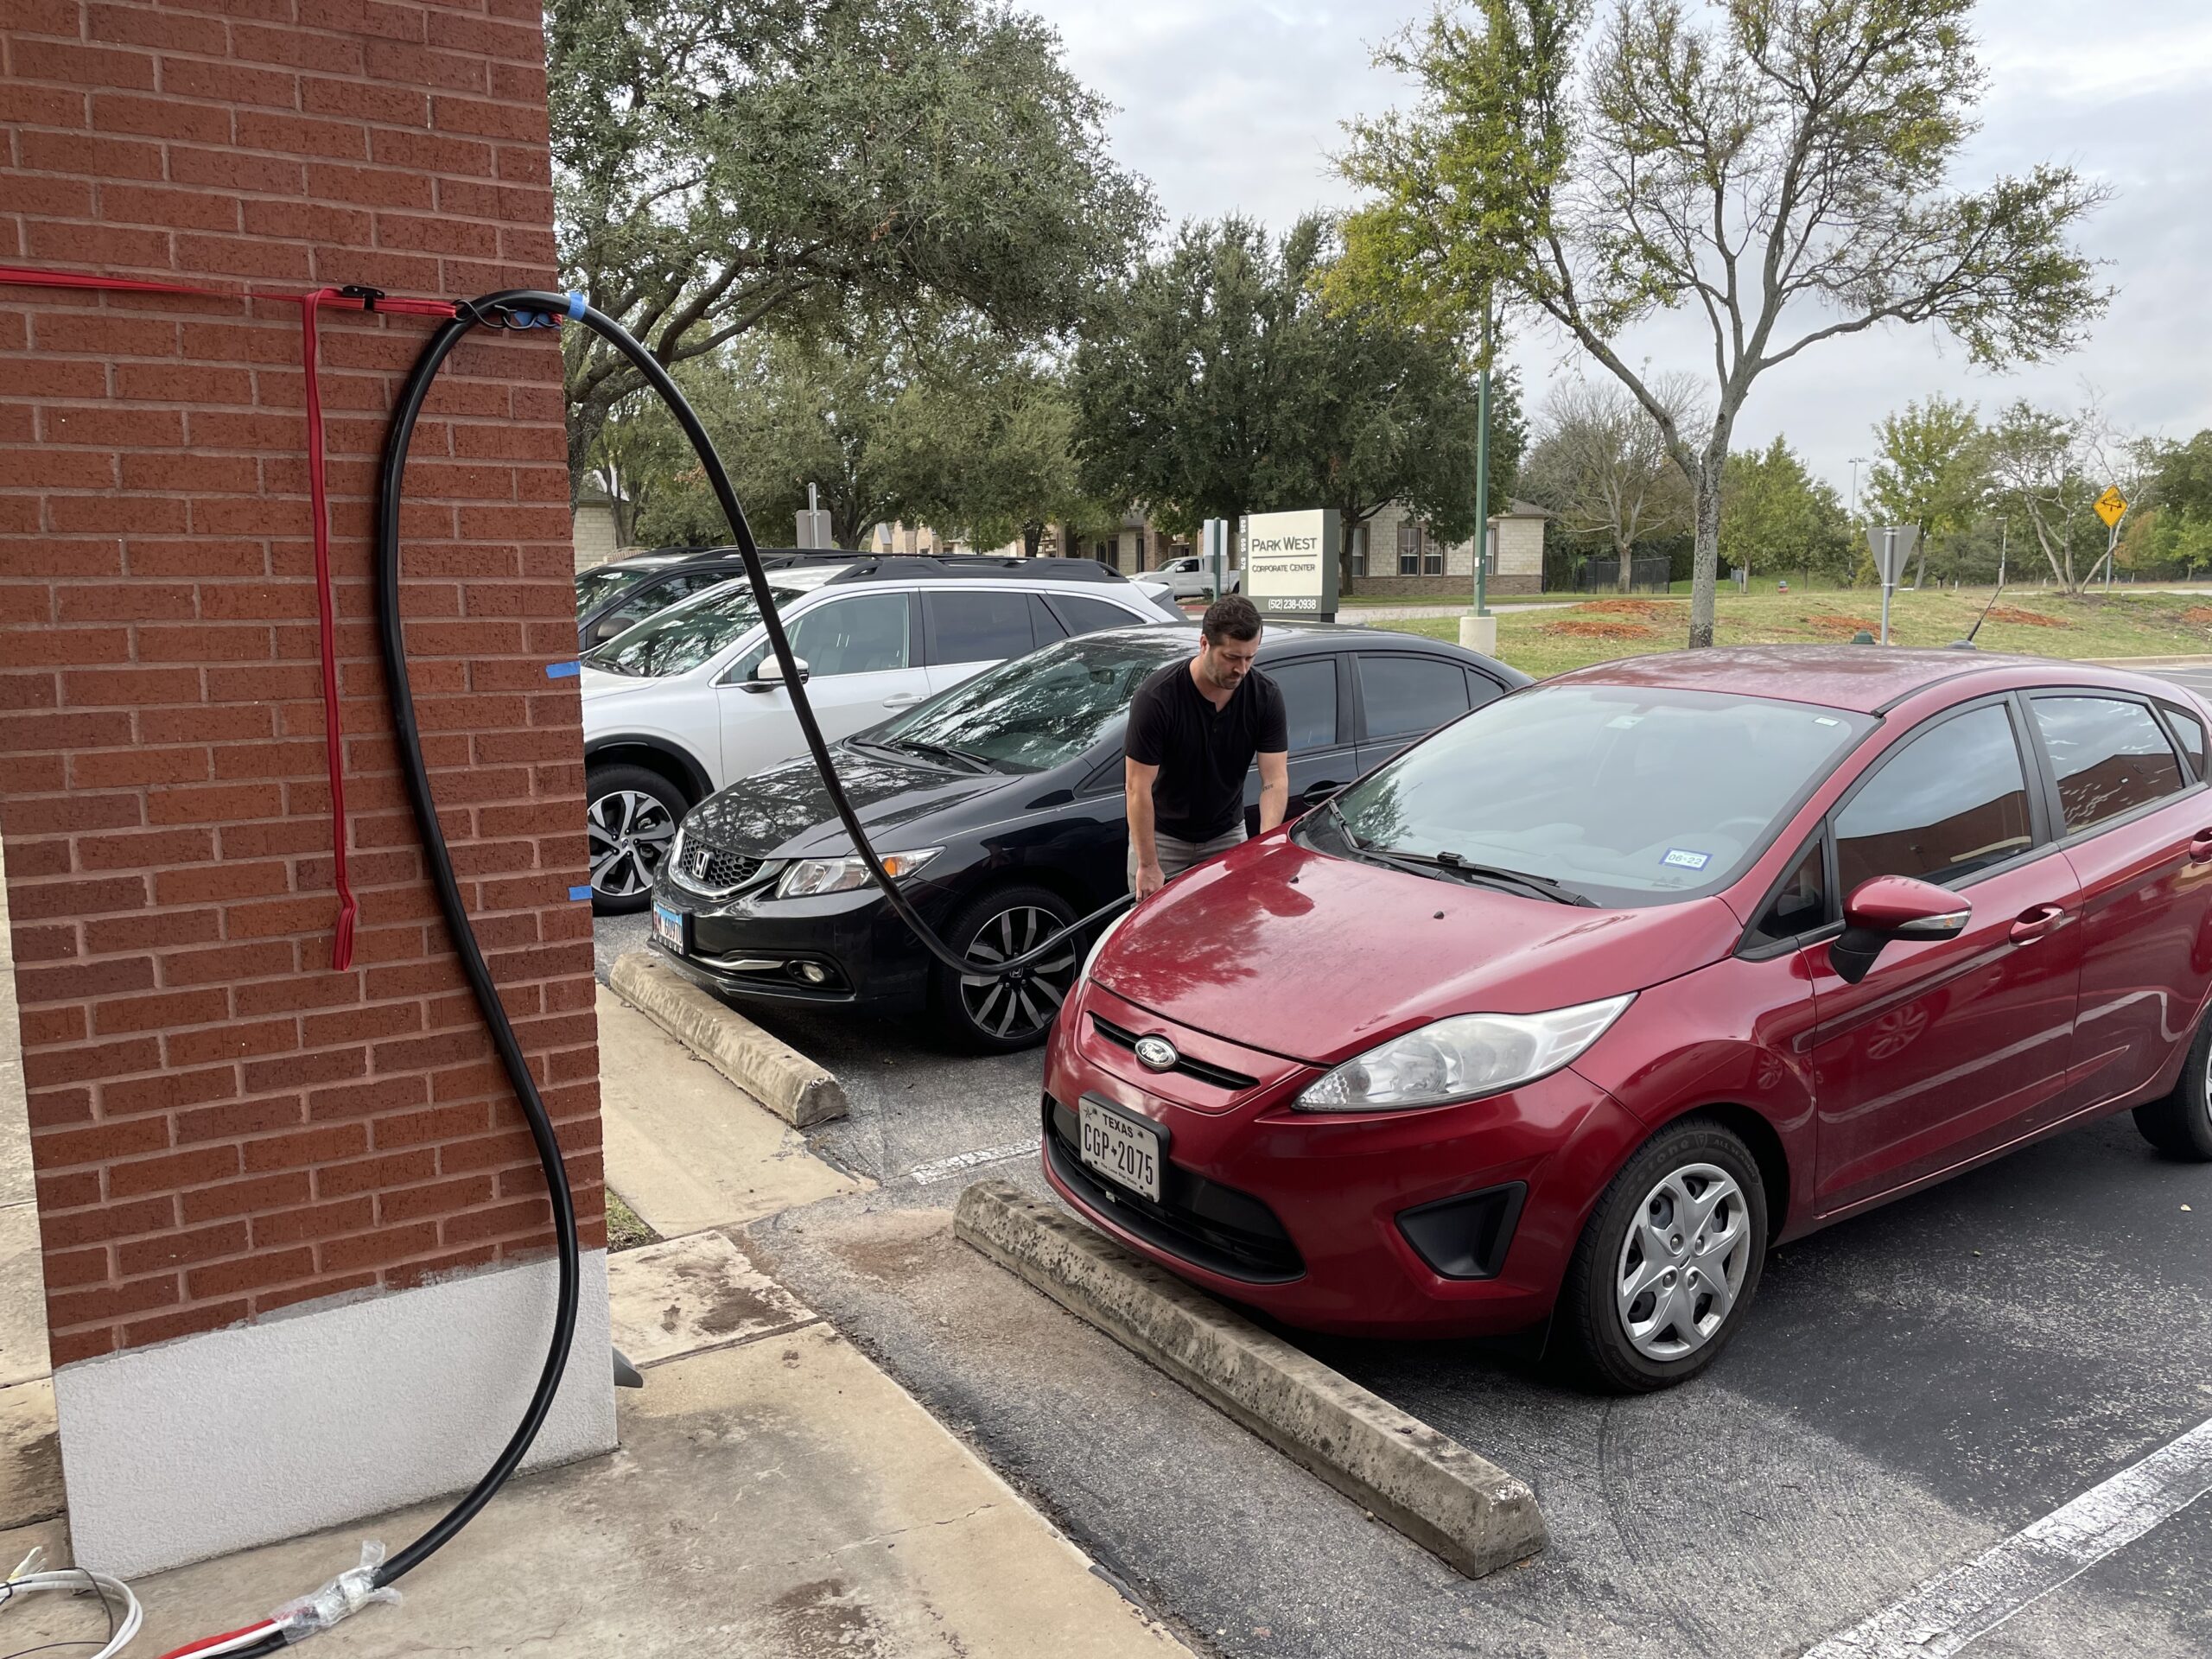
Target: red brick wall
{"x": 221, "y": 1124}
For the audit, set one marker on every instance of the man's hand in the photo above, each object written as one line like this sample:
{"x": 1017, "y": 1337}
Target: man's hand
{"x": 1149, "y": 880}
{"x": 1274, "y": 789}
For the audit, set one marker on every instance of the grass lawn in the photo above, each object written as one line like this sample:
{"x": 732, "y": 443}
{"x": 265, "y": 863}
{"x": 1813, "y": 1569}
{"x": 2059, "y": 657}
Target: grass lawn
{"x": 625, "y": 1229}
{"x": 2027, "y": 621}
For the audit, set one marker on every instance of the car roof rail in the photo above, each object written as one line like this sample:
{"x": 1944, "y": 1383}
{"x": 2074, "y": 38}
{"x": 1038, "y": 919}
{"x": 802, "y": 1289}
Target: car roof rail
{"x": 907, "y": 567}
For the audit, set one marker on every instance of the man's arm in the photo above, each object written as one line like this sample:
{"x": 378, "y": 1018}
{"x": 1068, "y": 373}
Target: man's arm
{"x": 1274, "y": 789}
{"x": 1136, "y": 785}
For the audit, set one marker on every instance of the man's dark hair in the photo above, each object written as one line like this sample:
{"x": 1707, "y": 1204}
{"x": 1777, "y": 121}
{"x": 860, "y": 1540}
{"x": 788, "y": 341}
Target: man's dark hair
{"x": 1231, "y": 617}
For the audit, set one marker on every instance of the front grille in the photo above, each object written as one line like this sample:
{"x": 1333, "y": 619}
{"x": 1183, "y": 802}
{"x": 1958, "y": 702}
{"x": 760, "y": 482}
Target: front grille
{"x": 1207, "y": 1224}
{"x": 1219, "y": 1076}
{"x": 707, "y": 868}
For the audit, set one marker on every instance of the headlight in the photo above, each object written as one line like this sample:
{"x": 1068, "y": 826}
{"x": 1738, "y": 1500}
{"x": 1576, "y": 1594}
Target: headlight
{"x": 805, "y": 878}
{"x": 1103, "y": 937}
{"x": 1461, "y": 1057}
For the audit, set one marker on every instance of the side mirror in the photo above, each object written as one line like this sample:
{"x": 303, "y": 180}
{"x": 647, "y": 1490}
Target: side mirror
{"x": 1890, "y": 908}
{"x": 606, "y": 628}
{"x": 770, "y": 674}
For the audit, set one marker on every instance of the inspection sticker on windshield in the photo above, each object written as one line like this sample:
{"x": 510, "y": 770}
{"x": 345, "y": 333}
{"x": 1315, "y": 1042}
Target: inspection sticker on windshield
{"x": 1682, "y": 859}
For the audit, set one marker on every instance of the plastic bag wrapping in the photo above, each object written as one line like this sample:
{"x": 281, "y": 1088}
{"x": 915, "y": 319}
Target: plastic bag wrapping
{"x": 348, "y": 1592}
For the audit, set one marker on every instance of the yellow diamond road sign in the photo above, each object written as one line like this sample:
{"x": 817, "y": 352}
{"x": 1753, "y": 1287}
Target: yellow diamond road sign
{"x": 2112, "y": 506}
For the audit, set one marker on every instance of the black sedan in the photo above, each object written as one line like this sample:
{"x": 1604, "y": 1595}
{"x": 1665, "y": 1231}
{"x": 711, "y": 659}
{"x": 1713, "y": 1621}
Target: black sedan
{"x": 999, "y": 802}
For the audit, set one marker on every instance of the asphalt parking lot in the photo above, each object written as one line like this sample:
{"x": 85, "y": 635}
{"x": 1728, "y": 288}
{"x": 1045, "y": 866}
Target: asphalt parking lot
{"x": 1914, "y": 1387}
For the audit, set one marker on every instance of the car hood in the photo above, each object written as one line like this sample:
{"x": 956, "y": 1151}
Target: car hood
{"x": 785, "y": 812}
{"x": 599, "y": 685}
{"x": 1318, "y": 958}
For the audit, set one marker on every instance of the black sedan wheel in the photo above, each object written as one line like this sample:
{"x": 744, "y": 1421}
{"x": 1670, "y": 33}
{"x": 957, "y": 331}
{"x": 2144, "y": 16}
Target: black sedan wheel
{"x": 630, "y": 819}
{"x": 1001, "y": 1015}
{"x": 2180, "y": 1125}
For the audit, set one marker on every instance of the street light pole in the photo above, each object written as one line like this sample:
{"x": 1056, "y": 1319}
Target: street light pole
{"x": 1482, "y": 467}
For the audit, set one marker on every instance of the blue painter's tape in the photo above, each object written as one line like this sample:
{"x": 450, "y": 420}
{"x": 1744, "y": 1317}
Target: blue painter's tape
{"x": 575, "y": 305}
{"x": 563, "y": 670}
{"x": 579, "y": 894}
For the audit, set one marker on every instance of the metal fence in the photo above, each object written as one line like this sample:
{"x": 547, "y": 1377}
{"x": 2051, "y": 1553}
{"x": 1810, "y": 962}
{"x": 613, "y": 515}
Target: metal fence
{"x": 1645, "y": 575}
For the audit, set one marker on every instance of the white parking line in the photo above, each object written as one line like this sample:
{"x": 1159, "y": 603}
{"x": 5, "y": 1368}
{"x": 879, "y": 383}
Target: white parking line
{"x": 1968, "y": 1602}
{"x": 943, "y": 1169}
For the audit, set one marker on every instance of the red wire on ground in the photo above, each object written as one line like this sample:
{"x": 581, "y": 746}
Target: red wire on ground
{"x": 341, "y": 944}
{"x": 259, "y": 1627}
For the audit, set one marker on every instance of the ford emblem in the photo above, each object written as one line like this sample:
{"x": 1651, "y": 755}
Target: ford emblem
{"x": 1157, "y": 1053}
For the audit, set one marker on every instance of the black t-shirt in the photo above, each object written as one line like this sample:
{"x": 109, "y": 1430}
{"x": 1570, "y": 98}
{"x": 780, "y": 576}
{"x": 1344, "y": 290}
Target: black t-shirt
{"x": 1203, "y": 752}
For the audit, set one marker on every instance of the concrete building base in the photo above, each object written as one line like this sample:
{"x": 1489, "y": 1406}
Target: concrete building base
{"x": 197, "y": 1447}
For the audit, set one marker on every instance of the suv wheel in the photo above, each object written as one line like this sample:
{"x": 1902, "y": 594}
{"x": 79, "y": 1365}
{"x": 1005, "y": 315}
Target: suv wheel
{"x": 2180, "y": 1125}
{"x": 1000, "y": 1016}
{"x": 630, "y": 819}
{"x": 1670, "y": 1261}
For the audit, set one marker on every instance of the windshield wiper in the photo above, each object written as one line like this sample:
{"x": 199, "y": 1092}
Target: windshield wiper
{"x": 1467, "y": 870}
{"x": 959, "y": 757}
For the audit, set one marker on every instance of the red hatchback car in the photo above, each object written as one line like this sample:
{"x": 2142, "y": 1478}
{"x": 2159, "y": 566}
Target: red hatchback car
{"x": 1579, "y": 1005}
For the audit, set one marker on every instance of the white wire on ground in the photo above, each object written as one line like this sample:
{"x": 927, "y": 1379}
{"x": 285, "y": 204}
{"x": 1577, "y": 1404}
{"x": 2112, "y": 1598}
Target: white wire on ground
{"x": 26, "y": 1577}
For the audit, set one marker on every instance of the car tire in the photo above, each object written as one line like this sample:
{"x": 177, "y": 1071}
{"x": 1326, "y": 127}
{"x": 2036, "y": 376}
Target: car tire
{"x": 1635, "y": 1310}
{"x": 980, "y": 1016}
{"x": 2180, "y": 1123}
{"x": 631, "y": 816}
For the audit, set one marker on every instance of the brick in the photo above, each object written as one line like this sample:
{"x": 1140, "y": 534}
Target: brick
{"x": 415, "y": 65}
{"x": 230, "y": 169}
{"x": 234, "y": 1041}
{"x": 78, "y": 981}
{"x": 160, "y": 1012}
{"x": 158, "y": 117}
{"x": 293, "y": 134}
{"x": 337, "y": 55}
{"x": 180, "y": 1248}
{"x": 369, "y": 1175}
{"x": 250, "y": 1273}
{"x": 230, "y": 83}
{"x": 179, "y": 1169}
{"x": 164, "y": 30}
{"x": 528, "y": 1215}
{"x": 440, "y": 1199}
{"x": 304, "y": 1071}
{"x": 195, "y": 210}
{"x": 389, "y": 104}
{"x": 151, "y": 930}
{"x": 238, "y": 1118}
{"x": 256, "y": 1195}
{"x": 61, "y": 1148}
{"x": 81, "y": 65}
{"x": 76, "y": 152}
{"x": 188, "y": 1322}
{"x": 168, "y": 1093}
{"x": 313, "y": 1221}
{"x": 377, "y": 1248}
{"x": 227, "y": 963}
{"x": 68, "y": 1269}
{"x": 110, "y": 1301}
{"x": 67, "y": 1347}
{"x": 47, "y": 1068}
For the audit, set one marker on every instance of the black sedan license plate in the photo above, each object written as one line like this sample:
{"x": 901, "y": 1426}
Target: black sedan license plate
{"x": 1120, "y": 1149}
{"x": 668, "y": 927}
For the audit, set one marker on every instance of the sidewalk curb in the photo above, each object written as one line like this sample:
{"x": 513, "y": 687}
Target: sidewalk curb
{"x": 774, "y": 1073}
{"x": 1468, "y": 1511}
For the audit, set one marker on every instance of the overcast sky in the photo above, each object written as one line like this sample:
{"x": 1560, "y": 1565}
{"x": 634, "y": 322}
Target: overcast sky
{"x": 1236, "y": 105}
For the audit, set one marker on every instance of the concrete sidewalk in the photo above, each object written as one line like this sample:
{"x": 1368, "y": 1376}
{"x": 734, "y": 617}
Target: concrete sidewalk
{"x": 30, "y": 1463}
{"x": 775, "y": 1496}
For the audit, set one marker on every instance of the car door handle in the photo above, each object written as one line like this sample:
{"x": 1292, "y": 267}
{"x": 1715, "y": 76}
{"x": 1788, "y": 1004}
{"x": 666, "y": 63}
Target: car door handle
{"x": 2200, "y": 847}
{"x": 904, "y": 702}
{"x": 2031, "y": 924}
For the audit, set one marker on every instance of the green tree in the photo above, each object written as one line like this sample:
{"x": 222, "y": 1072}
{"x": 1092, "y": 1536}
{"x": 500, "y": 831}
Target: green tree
{"x": 1601, "y": 467}
{"x": 1225, "y": 381}
{"x": 1776, "y": 517}
{"x": 1183, "y": 388}
{"x": 2044, "y": 468}
{"x": 1930, "y": 470}
{"x": 1781, "y": 172}
{"x": 822, "y": 165}
{"x": 2171, "y": 526}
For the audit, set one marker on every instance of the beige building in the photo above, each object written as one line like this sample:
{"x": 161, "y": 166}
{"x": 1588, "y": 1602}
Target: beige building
{"x": 597, "y": 539}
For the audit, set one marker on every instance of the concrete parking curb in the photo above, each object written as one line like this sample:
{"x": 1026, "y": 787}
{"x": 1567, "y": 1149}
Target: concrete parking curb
{"x": 1468, "y": 1511}
{"x": 774, "y": 1073}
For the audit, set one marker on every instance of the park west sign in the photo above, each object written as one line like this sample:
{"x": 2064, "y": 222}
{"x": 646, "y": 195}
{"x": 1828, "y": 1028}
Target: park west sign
{"x": 1290, "y": 562}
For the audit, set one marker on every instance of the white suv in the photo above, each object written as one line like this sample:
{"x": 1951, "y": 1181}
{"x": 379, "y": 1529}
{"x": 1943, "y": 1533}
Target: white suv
{"x": 691, "y": 700}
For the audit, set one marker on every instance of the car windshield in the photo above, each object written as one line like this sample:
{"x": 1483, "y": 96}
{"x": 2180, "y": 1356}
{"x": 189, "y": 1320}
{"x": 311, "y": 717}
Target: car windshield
{"x": 1617, "y": 795}
{"x": 677, "y": 641}
{"x": 595, "y": 586}
{"x": 1038, "y": 711}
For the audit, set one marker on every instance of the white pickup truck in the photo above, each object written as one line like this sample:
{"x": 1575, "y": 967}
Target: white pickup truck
{"x": 1192, "y": 578}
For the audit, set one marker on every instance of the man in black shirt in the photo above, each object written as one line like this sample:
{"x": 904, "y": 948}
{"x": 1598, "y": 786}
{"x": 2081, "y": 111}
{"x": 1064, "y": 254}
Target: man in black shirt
{"x": 1194, "y": 731}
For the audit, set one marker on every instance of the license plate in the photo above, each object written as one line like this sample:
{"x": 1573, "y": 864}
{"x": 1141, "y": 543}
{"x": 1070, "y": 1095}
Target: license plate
{"x": 1123, "y": 1150}
{"x": 668, "y": 927}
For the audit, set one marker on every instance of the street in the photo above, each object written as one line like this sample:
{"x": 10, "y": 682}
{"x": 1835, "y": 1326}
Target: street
{"x": 1915, "y": 1385}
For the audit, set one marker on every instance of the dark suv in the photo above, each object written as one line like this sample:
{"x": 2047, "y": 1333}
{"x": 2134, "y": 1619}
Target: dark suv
{"x": 999, "y": 802}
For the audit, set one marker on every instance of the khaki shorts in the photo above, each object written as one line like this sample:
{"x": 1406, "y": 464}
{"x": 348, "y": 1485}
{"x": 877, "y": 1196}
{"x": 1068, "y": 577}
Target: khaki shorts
{"x": 1177, "y": 856}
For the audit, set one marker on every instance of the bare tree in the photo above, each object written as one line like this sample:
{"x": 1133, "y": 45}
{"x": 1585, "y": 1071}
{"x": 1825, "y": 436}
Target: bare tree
{"x": 1601, "y": 464}
{"x": 2049, "y": 466}
{"x": 1783, "y": 171}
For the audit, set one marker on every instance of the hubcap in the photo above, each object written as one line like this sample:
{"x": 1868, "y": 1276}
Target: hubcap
{"x": 629, "y": 832}
{"x": 1022, "y": 1007}
{"x": 1681, "y": 1266}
